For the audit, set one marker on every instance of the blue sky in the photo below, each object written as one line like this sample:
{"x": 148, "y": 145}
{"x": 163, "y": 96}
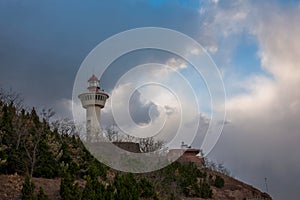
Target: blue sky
{"x": 254, "y": 44}
{"x": 58, "y": 35}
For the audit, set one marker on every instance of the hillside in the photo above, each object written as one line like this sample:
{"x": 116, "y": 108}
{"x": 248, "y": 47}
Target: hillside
{"x": 233, "y": 189}
{"x": 40, "y": 159}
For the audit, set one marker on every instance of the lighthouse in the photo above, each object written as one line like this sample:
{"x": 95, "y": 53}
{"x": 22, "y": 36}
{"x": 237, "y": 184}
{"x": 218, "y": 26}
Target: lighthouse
{"x": 93, "y": 101}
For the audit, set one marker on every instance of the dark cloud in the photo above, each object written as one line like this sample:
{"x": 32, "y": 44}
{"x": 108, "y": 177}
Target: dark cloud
{"x": 140, "y": 110}
{"x": 42, "y": 44}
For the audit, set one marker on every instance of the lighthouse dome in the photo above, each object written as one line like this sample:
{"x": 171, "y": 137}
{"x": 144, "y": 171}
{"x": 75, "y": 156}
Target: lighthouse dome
{"x": 93, "y": 78}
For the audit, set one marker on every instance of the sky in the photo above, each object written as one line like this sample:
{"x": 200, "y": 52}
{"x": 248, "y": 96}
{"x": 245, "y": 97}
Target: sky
{"x": 254, "y": 44}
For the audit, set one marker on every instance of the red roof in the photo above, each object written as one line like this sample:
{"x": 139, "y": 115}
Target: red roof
{"x": 93, "y": 78}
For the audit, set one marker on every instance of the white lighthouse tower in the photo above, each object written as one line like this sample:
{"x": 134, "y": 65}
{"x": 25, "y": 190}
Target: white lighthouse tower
{"x": 93, "y": 101}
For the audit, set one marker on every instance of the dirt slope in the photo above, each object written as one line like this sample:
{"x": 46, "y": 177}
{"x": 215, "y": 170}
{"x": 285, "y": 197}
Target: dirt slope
{"x": 11, "y": 186}
{"x": 236, "y": 190}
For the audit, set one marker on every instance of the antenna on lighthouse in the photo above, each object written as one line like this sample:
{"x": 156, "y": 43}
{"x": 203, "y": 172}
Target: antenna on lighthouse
{"x": 266, "y": 185}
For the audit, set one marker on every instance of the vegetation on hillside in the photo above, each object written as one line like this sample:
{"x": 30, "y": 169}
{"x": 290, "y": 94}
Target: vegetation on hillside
{"x": 33, "y": 147}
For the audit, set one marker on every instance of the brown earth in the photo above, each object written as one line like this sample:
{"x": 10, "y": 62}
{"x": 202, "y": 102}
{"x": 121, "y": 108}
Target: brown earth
{"x": 236, "y": 190}
{"x": 11, "y": 186}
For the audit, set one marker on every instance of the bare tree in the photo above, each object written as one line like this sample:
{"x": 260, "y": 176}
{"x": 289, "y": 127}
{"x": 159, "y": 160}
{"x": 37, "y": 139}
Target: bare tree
{"x": 111, "y": 134}
{"x": 150, "y": 145}
{"x": 47, "y": 114}
{"x": 31, "y": 152}
{"x": 30, "y": 143}
{"x": 216, "y": 167}
{"x": 12, "y": 97}
{"x": 64, "y": 126}
{"x": 31, "y": 140}
{"x": 20, "y": 126}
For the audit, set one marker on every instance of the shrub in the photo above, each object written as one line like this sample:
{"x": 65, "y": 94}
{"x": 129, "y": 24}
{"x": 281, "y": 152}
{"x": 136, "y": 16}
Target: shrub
{"x": 41, "y": 195}
{"x": 219, "y": 182}
{"x": 68, "y": 189}
{"x": 28, "y": 189}
{"x": 126, "y": 187}
{"x": 205, "y": 190}
{"x": 147, "y": 189}
{"x": 93, "y": 189}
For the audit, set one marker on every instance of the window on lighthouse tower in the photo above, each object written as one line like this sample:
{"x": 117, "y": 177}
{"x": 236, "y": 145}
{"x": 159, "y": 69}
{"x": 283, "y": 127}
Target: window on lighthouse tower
{"x": 93, "y": 84}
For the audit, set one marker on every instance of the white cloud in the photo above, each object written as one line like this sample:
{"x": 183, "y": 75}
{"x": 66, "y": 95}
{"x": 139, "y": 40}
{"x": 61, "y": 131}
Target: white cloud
{"x": 265, "y": 116}
{"x": 176, "y": 63}
{"x": 168, "y": 94}
{"x": 280, "y": 56}
{"x": 215, "y": 1}
{"x": 120, "y": 105}
{"x": 213, "y": 49}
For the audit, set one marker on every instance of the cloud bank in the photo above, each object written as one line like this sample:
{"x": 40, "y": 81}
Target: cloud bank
{"x": 263, "y": 137}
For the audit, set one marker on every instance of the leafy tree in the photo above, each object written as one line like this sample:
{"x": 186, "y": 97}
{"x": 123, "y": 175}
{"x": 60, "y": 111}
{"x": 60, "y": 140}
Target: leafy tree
{"x": 147, "y": 189}
{"x": 97, "y": 169}
{"x": 126, "y": 187}
{"x": 172, "y": 197}
{"x": 66, "y": 154}
{"x": 46, "y": 165}
{"x": 206, "y": 191}
{"x": 6, "y": 125}
{"x": 93, "y": 189}
{"x": 186, "y": 179}
{"x": 68, "y": 189}
{"x": 109, "y": 193}
{"x": 89, "y": 193}
{"x": 28, "y": 189}
{"x": 219, "y": 182}
{"x": 41, "y": 195}
{"x": 12, "y": 158}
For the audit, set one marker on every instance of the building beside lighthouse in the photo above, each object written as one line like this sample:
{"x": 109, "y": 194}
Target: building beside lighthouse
{"x": 93, "y": 100}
